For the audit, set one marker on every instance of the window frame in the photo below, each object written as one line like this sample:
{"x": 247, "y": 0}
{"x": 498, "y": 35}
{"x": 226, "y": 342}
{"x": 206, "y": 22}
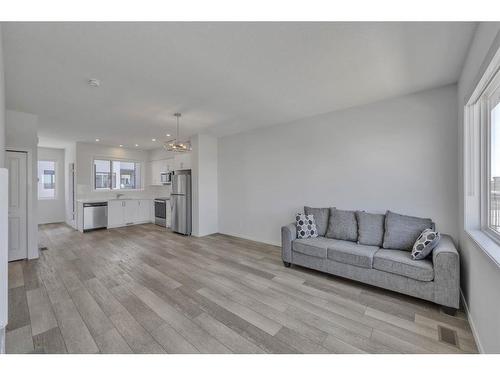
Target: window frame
{"x": 40, "y": 181}
{"x": 488, "y": 100}
{"x": 476, "y": 161}
{"x": 140, "y": 180}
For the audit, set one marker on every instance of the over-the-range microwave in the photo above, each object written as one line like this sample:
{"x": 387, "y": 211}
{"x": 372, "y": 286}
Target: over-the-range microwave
{"x": 166, "y": 178}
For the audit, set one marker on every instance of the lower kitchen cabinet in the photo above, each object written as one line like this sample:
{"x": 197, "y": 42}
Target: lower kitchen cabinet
{"x": 123, "y": 212}
{"x": 115, "y": 214}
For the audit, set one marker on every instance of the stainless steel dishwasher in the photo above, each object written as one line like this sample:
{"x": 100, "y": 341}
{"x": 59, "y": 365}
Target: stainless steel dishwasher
{"x": 95, "y": 215}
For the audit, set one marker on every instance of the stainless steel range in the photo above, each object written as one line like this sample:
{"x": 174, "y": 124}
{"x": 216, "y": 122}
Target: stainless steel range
{"x": 162, "y": 212}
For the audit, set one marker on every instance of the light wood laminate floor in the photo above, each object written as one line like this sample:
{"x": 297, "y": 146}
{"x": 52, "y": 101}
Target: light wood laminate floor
{"x": 143, "y": 289}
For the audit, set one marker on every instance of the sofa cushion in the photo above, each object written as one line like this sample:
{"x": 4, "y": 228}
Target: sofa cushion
{"x": 402, "y": 231}
{"x": 370, "y": 228}
{"x": 342, "y": 225}
{"x": 399, "y": 262}
{"x": 315, "y": 247}
{"x": 320, "y": 217}
{"x": 352, "y": 253}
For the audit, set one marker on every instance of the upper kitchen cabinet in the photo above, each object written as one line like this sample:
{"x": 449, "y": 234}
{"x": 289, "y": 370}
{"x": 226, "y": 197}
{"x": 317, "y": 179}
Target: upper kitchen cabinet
{"x": 182, "y": 161}
{"x": 157, "y": 167}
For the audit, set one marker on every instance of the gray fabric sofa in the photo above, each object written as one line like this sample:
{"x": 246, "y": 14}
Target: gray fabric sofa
{"x": 435, "y": 279}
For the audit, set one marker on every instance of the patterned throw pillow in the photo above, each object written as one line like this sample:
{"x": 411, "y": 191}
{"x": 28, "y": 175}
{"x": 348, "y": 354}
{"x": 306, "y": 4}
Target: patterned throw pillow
{"x": 306, "y": 228}
{"x": 424, "y": 244}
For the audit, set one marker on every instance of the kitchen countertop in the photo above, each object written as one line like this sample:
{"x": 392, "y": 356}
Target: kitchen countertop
{"x": 108, "y": 199}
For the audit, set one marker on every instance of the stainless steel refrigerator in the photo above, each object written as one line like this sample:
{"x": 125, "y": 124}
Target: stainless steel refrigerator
{"x": 180, "y": 201}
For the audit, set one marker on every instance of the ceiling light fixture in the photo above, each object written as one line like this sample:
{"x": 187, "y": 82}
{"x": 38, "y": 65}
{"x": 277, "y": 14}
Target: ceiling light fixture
{"x": 168, "y": 135}
{"x": 136, "y": 145}
{"x": 154, "y": 139}
{"x": 94, "y": 82}
{"x": 121, "y": 145}
{"x": 176, "y": 145}
{"x": 97, "y": 139}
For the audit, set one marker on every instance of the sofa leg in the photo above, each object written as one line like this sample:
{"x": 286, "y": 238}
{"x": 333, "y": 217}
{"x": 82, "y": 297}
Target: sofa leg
{"x": 449, "y": 310}
{"x": 287, "y": 264}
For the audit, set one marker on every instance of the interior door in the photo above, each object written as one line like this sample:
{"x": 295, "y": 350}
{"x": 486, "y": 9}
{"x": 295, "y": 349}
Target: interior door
{"x": 18, "y": 187}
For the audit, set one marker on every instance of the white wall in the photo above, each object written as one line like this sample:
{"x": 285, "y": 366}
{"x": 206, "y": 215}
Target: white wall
{"x": 398, "y": 154}
{"x": 160, "y": 154}
{"x": 85, "y": 154}
{"x": 53, "y": 210}
{"x": 21, "y": 134}
{"x": 4, "y": 283}
{"x": 204, "y": 181}
{"x": 3, "y": 210}
{"x": 69, "y": 158}
{"x": 480, "y": 276}
{"x": 2, "y": 105}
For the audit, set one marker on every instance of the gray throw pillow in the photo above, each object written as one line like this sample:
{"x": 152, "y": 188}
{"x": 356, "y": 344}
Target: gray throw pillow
{"x": 342, "y": 225}
{"x": 402, "y": 231}
{"x": 424, "y": 244}
{"x": 370, "y": 228}
{"x": 320, "y": 218}
{"x": 306, "y": 228}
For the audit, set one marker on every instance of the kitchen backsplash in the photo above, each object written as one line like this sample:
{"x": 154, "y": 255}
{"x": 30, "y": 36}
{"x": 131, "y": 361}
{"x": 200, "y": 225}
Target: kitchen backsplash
{"x": 149, "y": 192}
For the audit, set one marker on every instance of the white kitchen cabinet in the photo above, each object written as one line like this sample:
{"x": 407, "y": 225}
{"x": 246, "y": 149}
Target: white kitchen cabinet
{"x": 115, "y": 213}
{"x": 130, "y": 211}
{"x": 156, "y": 168}
{"x": 151, "y": 178}
{"x": 182, "y": 161}
{"x": 144, "y": 212}
{"x": 123, "y": 212}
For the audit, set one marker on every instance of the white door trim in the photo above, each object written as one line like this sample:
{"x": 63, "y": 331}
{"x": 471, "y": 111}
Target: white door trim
{"x": 32, "y": 218}
{"x": 20, "y": 201}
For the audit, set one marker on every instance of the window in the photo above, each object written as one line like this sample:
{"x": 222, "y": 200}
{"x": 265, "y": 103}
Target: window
{"x": 482, "y": 160}
{"x": 116, "y": 174}
{"x": 46, "y": 179}
{"x": 494, "y": 162}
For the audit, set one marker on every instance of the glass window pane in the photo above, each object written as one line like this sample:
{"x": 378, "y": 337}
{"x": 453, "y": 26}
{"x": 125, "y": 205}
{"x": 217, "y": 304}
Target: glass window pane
{"x": 495, "y": 170}
{"x": 102, "y": 170}
{"x": 46, "y": 179}
{"x": 116, "y": 174}
{"x": 124, "y": 175}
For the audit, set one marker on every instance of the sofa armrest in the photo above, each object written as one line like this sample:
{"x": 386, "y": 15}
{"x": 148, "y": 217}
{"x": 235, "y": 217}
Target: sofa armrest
{"x": 446, "y": 262}
{"x": 288, "y": 234}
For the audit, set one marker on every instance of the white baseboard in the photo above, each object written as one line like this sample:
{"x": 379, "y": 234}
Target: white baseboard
{"x": 2, "y": 340}
{"x": 471, "y": 323}
{"x": 251, "y": 238}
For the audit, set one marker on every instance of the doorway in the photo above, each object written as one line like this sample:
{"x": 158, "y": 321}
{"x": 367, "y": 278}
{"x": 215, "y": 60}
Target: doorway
{"x": 17, "y": 165}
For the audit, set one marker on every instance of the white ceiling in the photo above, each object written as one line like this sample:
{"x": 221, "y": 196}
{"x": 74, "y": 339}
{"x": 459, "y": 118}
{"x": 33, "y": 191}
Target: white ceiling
{"x": 224, "y": 77}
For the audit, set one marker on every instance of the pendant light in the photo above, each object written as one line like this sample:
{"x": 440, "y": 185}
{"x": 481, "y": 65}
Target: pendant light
{"x": 176, "y": 145}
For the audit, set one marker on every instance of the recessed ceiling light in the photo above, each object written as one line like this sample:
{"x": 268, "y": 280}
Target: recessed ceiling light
{"x": 97, "y": 139}
{"x": 94, "y": 82}
{"x": 136, "y": 145}
{"x": 121, "y": 145}
{"x": 154, "y": 139}
{"x": 168, "y": 135}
